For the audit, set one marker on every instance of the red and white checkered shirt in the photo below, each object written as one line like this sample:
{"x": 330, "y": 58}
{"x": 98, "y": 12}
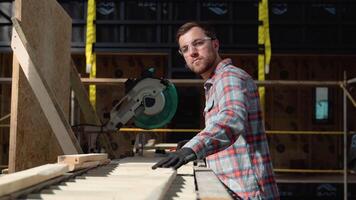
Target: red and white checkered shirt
{"x": 233, "y": 141}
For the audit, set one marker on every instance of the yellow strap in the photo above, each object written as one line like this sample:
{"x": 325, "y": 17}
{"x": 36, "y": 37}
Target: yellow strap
{"x": 92, "y": 87}
{"x": 268, "y": 51}
{"x": 264, "y": 40}
{"x": 89, "y": 54}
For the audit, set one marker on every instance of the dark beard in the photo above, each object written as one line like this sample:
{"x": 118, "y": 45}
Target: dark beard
{"x": 210, "y": 64}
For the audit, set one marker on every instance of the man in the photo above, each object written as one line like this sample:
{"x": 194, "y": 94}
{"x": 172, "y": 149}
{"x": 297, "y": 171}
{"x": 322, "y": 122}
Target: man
{"x": 233, "y": 142}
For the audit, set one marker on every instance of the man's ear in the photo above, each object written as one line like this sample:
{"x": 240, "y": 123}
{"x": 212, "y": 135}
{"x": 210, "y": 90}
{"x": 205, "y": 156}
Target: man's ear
{"x": 216, "y": 44}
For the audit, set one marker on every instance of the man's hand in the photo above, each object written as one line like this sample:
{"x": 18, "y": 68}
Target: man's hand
{"x": 177, "y": 159}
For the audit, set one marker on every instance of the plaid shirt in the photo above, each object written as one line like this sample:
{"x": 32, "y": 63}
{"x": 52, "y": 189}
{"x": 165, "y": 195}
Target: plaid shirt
{"x": 234, "y": 142}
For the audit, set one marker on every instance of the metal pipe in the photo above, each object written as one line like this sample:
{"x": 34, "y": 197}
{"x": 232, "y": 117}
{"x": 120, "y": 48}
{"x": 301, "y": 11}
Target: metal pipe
{"x": 4, "y": 80}
{"x": 5, "y": 117}
{"x": 353, "y": 80}
{"x": 269, "y": 132}
{"x": 348, "y": 94}
{"x": 345, "y": 139}
{"x": 297, "y": 83}
{"x": 199, "y": 82}
{"x": 338, "y": 171}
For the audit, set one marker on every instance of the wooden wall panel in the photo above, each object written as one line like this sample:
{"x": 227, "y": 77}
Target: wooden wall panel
{"x": 48, "y": 30}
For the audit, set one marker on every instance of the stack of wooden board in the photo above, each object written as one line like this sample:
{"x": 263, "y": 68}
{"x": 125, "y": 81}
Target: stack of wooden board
{"x": 129, "y": 178}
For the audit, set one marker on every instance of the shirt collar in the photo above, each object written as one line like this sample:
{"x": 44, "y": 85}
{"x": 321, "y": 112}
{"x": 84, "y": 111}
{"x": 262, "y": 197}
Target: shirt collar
{"x": 222, "y": 64}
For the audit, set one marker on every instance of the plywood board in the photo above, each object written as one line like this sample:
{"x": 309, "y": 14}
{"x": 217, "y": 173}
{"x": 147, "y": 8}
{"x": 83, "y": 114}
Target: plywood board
{"x": 48, "y": 30}
{"x": 43, "y": 93}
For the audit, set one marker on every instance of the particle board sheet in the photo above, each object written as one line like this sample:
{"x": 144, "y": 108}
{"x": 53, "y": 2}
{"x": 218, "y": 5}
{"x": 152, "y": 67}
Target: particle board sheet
{"x": 47, "y": 28}
{"x": 129, "y": 178}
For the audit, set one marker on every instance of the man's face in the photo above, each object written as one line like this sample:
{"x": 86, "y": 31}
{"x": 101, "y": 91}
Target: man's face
{"x": 199, "y": 51}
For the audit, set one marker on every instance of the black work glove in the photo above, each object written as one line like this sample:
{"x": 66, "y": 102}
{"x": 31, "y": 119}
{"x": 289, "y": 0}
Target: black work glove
{"x": 177, "y": 159}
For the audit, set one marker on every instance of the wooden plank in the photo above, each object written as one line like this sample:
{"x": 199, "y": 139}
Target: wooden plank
{"x": 14, "y": 139}
{"x": 20, "y": 180}
{"x": 209, "y": 186}
{"x": 81, "y": 161}
{"x": 89, "y": 164}
{"x": 49, "y": 104}
{"x": 48, "y": 30}
{"x": 81, "y": 158}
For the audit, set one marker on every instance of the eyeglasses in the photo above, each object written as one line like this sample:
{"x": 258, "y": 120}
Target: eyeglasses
{"x": 196, "y": 44}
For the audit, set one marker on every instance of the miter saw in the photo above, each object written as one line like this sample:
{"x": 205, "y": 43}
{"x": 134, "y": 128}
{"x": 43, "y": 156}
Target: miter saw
{"x": 151, "y": 102}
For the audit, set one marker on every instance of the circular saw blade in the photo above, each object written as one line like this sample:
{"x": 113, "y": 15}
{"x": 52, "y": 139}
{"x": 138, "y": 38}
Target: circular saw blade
{"x": 165, "y": 116}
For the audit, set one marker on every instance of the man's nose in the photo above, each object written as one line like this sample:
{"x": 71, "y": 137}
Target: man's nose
{"x": 192, "y": 51}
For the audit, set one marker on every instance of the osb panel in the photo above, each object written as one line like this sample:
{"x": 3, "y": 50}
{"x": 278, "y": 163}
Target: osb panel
{"x": 121, "y": 66}
{"x": 48, "y": 31}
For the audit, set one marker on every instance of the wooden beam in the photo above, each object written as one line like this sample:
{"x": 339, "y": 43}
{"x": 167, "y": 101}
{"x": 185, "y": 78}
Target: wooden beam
{"x": 81, "y": 158}
{"x": 49, "y": 105}
{"x": 88, "y": 164}
{"x": 15, "y": 101}
{"x": 81, "y": 161}
{"x": 20, "y": 180}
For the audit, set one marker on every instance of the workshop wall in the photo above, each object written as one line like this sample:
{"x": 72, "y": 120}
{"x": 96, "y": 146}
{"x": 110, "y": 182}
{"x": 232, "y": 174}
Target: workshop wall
{"x": 288, "y": 106}
{"x": 293, "y": 108}
{"x": 5, "y": 103}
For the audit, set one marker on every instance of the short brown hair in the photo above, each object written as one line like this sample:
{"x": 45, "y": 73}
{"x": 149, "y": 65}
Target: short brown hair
{"x": 208, "y": 30}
